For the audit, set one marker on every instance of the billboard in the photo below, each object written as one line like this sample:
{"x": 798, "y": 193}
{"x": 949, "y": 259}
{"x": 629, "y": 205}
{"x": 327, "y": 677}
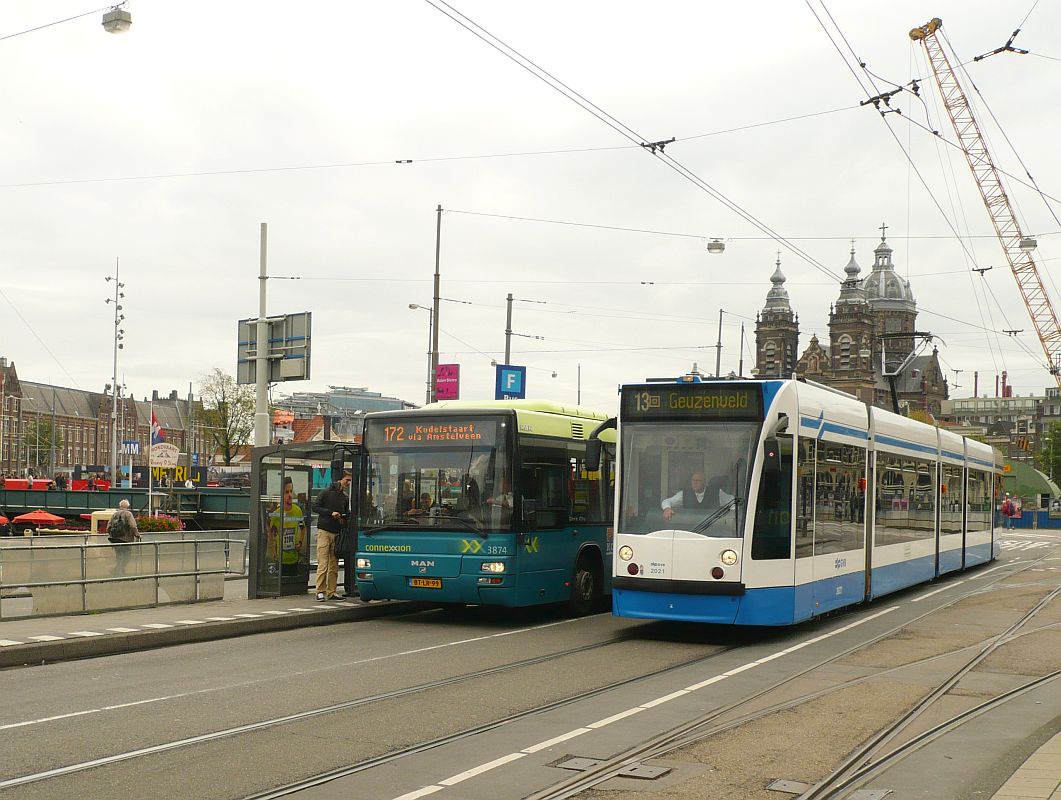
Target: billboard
{"x": 448, "y": 382}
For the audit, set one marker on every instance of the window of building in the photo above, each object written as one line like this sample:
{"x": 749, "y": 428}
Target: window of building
{"x": 845, "y": 352}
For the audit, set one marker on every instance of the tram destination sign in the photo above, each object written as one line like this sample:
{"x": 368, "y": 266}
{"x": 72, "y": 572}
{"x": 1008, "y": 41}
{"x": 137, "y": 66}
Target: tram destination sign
{"x": 692, "y": 401}
{"x": 396, "y": 433}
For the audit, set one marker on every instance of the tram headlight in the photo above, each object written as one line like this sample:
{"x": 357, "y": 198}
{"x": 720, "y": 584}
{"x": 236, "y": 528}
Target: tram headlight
{"x": 364, "y": 563}
{"x": 728, "y": 557}
{"x": 493, "y": 566}
{"x": 626, "y": 552}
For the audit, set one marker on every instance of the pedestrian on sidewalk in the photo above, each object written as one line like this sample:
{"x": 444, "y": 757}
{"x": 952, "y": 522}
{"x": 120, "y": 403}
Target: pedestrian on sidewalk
{"x": 122, "y": 531}
{"x": 332, "y": 507}
{"x": 1007, "y": 513}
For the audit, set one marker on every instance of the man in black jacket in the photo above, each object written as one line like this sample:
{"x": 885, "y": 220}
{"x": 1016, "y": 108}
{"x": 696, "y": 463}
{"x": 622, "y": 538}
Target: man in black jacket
{"x": 332, "y": 507}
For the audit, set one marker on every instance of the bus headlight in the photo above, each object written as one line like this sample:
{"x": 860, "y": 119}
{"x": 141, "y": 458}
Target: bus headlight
{"x": 728, "y": 557}
{"x": 626, "y": 552}
{"x": 493, "y": 566}
{"x": 364, "y": 563}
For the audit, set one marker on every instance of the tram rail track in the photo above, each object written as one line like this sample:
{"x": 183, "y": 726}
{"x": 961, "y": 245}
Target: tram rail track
{"x": 700, "y": 728}
{"x": 346, "y": 705}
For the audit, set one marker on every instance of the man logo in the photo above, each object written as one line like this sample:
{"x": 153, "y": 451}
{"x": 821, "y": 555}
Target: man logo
{"x": 415, "y": 563}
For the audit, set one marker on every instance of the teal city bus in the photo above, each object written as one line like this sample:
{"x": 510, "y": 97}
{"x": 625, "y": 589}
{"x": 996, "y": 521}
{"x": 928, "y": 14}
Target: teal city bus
{"x": 485, "y": 503}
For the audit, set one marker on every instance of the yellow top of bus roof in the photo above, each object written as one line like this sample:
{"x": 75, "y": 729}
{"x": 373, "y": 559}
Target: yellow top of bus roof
{"x": 541, "y": 406}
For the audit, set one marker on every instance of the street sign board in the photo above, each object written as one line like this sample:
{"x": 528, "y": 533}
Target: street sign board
{"x": 288, "y": 348}
{"x": 130, "y": 447}
{"x": 448, "y": 382}
{"x": 165, "y": 454}
{"x": 510, "y": 382}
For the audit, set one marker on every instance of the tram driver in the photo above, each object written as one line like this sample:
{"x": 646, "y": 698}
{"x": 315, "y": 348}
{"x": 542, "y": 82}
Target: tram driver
{"x": 698, "y": 495}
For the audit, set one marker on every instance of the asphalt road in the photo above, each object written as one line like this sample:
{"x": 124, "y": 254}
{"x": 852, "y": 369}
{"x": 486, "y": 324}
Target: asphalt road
{"x": 135, "y": 713}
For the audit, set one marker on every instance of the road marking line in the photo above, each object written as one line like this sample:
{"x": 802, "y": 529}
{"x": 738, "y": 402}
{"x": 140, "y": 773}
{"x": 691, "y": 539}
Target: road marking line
{"x": 190, "y": 622}
{"x": 615, "y": 718}
{"x": 420, "y": 793}
{"x": 708, "y": 682}
{"x": 85, "y": 633}
{"x": 247, "y": 616}
{"x": 563, "y": 737}
{"x": 277, "y": 613}
{"x": 665, "y": 699}
{"x": 123, "y": 630}
{"x": 220, "y": 619}
{"x": 741, "y": 668}
{"x": 479, "y": 770}
{"x": 47, "y": 638}
{"x": 155, "y": 625}
{"x": 9, "y": 642}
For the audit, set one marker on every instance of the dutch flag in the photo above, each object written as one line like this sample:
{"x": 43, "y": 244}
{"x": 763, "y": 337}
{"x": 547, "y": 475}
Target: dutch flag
{"x": 157, "y": 434}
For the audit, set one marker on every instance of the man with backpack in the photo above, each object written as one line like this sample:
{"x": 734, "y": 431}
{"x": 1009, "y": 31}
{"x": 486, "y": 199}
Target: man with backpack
{"x": 122, "y": 530}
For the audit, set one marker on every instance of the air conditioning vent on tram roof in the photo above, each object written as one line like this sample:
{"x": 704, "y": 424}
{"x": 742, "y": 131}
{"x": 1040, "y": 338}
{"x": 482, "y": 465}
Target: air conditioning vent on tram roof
{"x": 577, "y": 430}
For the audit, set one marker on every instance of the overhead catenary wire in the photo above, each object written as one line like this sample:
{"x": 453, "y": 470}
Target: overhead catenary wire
{"x": 619, "y": 127}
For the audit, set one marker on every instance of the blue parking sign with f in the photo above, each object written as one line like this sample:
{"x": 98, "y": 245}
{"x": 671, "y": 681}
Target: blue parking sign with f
{"x": 510, "y": 382}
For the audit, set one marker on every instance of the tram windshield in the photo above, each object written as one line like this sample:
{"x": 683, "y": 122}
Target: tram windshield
{"x": 689, "y": 476}
{"x": 432, "y": 473}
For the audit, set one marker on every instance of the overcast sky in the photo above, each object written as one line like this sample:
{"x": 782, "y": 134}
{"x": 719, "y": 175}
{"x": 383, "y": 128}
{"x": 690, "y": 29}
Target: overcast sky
{"x": 167, "y": 146}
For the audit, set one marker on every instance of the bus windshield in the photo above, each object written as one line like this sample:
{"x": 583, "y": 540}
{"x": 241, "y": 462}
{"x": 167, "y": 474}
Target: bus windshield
{"x": 436, "y": 473}
{"x": 690, "y": 476}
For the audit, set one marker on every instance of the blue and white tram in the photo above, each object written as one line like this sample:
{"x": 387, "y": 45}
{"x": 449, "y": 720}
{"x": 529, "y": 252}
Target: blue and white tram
{"x": 771, "y": 502}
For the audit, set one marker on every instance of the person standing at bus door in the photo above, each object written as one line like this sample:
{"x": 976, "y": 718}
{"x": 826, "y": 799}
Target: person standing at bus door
{"x": 696, "y": 496}
{"x": 331, "y": 507}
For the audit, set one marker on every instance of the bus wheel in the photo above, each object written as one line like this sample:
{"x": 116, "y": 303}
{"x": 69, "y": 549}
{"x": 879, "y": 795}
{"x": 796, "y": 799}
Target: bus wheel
{"x": 585, "y": 589}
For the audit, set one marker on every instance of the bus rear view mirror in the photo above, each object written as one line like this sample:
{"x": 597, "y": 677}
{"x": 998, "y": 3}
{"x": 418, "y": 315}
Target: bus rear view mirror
{"x": 593, "y": 454}
{"x": 771, "y": 457}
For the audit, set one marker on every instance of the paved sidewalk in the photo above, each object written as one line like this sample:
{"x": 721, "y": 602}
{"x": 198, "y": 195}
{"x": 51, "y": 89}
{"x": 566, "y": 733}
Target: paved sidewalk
{"x": 1039, "y": 777}
{"x": 48, "y": 639}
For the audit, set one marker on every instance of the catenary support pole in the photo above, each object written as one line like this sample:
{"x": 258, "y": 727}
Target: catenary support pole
{"x": 508, "y": 329}
{"x": 718, "y": 347}
{"x": 261, "y": 357}
{"x": 434, "y": 307}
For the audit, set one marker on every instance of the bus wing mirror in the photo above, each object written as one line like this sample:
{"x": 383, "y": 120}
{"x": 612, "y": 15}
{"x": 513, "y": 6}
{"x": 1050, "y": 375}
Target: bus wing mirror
{"x": 593, "y": 454}
{"x": 771, "y": 457}
{"x": 780, "y": 426}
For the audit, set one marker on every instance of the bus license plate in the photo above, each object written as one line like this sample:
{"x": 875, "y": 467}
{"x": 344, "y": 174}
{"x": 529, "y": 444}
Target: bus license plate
{"x": 425, "y": 583}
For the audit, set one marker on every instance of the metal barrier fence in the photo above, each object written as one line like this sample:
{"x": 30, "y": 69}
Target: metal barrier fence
{"x": 53, "y": 575}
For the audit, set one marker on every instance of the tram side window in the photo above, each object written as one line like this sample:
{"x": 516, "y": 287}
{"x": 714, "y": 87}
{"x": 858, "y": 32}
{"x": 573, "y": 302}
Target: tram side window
{"x": 950, "y": 488}
{"x": 805, "y": 497}
{"x": 840, "y": 498}
{"x": 905, "y": 499}
{"x": 979, "y": 500}
{"x": 772, "y": 536}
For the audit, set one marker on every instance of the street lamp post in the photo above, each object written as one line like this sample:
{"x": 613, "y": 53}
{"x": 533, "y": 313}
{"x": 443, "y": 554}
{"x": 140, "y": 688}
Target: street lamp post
{"x": 119, "y": 334}
{"x": 434, "y": 314}
{"x": 430, "y": 347}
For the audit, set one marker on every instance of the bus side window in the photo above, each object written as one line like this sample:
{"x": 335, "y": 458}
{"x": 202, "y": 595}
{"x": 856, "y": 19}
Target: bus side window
{"x": 545, "y": 485}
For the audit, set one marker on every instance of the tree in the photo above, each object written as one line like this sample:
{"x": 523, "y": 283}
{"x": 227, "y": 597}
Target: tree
{"x": 38, "y": 443}
{"x": 1049, "y": 457}
{"x": 227, "y": 413}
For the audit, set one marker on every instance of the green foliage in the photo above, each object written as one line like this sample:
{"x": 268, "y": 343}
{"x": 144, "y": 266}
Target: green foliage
{"x": 1048, "y": 459}
{"x": 37, "y": 442}
{"x": 163, "y": 522}
{"x": 227, "y": 414}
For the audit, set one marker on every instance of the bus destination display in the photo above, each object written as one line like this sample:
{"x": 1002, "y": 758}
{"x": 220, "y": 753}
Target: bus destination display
{"x": 695, "y": 401}
{"x": 428, "y": 433}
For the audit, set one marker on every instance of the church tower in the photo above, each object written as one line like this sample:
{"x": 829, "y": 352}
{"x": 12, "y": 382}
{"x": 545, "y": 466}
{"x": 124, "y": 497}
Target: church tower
{"x": 852, "y": 336}
{"x": 776, "y": 332}
{"x": 893, "y": 304}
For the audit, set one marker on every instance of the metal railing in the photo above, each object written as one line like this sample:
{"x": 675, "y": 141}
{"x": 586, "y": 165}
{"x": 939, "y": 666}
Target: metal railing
{"x": 50, "y": 577}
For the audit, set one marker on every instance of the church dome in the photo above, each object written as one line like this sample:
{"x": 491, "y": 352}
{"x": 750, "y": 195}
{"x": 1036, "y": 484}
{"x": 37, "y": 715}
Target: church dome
{"x": 777, "y": 297}
{"x": 851, "y": 290}
{"x": 884, "y": 287}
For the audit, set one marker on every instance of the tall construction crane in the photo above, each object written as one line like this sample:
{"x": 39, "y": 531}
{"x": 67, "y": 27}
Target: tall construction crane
{"x": 1017, "y": 246}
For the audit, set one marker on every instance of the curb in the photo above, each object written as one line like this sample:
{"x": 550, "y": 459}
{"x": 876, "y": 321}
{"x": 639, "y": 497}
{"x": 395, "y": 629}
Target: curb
{"x": 40, "y": 653}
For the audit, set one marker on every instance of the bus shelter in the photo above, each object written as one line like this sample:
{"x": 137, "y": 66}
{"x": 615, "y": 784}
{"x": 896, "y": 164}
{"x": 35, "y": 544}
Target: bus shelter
{"x": 286, "y": 480}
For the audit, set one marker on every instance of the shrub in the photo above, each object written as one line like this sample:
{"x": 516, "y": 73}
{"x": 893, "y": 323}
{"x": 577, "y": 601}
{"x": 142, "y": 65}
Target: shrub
{"x": 163, "y": 522}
